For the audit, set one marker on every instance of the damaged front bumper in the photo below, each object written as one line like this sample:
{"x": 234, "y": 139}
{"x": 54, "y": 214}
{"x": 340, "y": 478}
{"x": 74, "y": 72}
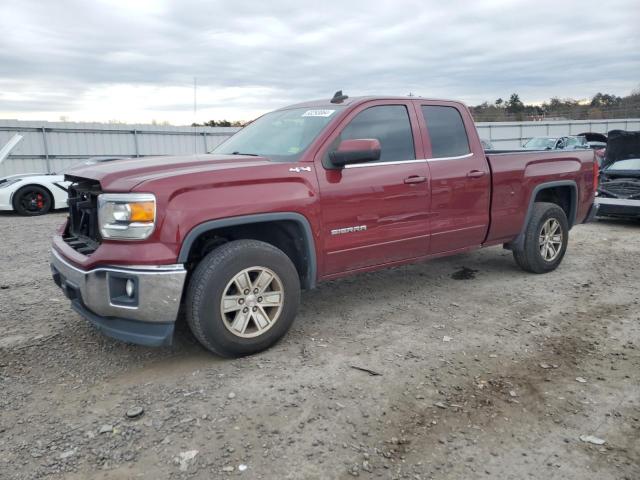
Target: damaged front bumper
{"x": 134, "y": 304}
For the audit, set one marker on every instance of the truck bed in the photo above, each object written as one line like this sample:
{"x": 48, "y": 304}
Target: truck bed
{"x": 517, "y": 174}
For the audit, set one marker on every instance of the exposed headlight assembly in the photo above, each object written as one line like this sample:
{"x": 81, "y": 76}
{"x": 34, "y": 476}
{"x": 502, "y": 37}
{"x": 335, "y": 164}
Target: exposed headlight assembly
{"x": 126, "y": 216}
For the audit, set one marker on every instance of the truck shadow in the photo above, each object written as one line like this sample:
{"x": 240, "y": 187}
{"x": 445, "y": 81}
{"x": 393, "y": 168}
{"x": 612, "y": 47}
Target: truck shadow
{"x": 620, "y": 222}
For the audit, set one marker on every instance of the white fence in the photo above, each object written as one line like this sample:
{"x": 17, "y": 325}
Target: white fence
{"x": 51, "y": 146}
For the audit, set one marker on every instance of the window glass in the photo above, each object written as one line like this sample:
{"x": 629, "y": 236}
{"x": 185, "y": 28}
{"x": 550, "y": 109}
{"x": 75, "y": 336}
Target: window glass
{"x": 446, "y": 130}
{"x": 281, "y": 135}
{"x": 389, "y": 124}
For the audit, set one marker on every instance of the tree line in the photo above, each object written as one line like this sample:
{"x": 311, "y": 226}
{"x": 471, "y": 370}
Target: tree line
{"x": 220, "y": 123}
{"x": 600, "y": 106}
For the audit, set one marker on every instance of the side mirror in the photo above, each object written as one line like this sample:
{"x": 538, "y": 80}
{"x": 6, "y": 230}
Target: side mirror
{"x": 356, "y": 151}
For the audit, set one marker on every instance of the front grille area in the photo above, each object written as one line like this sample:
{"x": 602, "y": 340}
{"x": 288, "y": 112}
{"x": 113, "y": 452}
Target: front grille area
{"x": 621, "y": 189}
{"x": 82, "y": 233}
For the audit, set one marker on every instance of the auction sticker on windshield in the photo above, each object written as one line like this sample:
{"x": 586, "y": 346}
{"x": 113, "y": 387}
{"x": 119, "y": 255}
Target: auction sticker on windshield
{"x": 318, "y": 113}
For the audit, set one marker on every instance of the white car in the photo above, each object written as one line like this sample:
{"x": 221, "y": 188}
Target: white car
{"x": 38, "y": 193}
{"x": 33, "y": 193}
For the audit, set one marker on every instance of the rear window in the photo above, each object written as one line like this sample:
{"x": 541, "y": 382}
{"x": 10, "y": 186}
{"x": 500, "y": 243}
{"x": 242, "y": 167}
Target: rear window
{"x": 446, "y": 131}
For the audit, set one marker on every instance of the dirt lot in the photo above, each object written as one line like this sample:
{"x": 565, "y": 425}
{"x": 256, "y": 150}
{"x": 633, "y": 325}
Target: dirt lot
{"x": 493, "y": 374}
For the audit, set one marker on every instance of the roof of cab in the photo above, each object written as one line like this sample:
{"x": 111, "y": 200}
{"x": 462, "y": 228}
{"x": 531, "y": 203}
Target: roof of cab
{"x": 350, "y": 101}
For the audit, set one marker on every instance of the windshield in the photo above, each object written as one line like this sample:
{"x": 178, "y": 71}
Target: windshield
{"x": 281, "y": 135}
{"x": 540, "y": 143}
{"x": 629, "y": 164}
{"x": 575, "y": 142}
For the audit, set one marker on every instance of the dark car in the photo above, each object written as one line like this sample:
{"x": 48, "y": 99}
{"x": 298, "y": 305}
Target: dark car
{"x": 594, "y": 140}
{"x": 619, "y": 189}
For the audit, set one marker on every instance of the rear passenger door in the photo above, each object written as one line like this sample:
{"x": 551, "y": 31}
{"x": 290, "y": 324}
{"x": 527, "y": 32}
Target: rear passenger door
{"x": 460, "y": 177}
{"x": 375, "y": 213}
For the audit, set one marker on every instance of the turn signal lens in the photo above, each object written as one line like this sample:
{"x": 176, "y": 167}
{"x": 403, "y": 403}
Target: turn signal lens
{"x": 142, "y": 212}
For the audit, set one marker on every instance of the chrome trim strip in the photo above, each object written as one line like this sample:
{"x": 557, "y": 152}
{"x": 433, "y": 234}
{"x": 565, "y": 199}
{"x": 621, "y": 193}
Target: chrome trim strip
{"x": 382, "y": 164}
{"x": 401, "y": 162}
{"x": 141, "y": 269}
{"x": 470, "y": 154}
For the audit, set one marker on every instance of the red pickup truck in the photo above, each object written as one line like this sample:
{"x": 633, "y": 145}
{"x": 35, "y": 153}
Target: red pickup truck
{"x": 304, "y": 194}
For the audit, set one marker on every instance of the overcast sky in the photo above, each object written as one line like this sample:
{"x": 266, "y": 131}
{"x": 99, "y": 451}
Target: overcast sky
{"x": 135, "y": 60}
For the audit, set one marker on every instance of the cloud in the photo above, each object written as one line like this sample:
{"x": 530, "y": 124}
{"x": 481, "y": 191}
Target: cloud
{"x": 136, "y": 61}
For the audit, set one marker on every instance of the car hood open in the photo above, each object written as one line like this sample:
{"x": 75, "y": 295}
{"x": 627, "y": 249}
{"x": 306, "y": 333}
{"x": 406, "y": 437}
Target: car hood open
{"x": 621, "y": 145}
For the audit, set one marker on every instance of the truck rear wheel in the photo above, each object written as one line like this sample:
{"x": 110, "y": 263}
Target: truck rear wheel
{"x": 242, "y": 298}
{"x": 545, "y": 239}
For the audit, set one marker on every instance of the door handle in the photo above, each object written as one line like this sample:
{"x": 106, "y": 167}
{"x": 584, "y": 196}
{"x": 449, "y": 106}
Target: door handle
{"x": 415, "y": 179}
{"x": 475, "y": 174}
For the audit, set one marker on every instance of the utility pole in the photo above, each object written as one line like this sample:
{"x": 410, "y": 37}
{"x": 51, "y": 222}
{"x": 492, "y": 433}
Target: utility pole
{"x": 195, "y": 111}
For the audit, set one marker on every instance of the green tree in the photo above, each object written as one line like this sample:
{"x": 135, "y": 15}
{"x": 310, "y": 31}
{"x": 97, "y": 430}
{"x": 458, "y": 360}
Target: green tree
{"x": 514, "y": 104}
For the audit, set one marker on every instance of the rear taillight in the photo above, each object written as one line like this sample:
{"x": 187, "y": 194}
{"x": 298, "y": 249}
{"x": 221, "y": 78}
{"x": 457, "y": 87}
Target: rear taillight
{"x": 596, "y": 174}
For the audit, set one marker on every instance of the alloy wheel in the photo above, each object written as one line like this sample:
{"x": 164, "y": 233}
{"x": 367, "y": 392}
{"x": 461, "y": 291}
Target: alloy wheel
{"x": 550, "y": 240}
{"x": 252, "y": 302}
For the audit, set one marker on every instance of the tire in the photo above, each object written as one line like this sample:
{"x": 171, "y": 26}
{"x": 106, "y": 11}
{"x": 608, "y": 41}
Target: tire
{"x": 222, "y": 274}
{"x": 32, "y": 200}
{"x": 533, "y": 257}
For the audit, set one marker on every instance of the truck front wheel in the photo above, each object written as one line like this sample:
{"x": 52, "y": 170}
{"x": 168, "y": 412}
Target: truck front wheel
{"x": 545, "y": 239}
{"x": 242, "y": 298}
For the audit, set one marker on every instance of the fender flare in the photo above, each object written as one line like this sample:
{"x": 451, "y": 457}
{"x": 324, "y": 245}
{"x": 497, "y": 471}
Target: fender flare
{"x": 308, "y": 282}
{"x": 518, "y": 243}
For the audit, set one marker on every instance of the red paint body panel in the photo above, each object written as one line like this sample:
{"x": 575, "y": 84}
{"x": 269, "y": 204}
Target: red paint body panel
{"x": 515, "y": 176}
{"x": 411, "y": 210}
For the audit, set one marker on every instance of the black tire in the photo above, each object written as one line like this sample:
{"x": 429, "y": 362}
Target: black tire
{"x": 209, "y": 282}
{"x": 32, "y": 200}
{"x": 530, "y": 257}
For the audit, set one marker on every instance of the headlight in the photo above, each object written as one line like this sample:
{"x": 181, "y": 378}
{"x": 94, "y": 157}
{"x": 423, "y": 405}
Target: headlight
{"x": 126, "y": 216}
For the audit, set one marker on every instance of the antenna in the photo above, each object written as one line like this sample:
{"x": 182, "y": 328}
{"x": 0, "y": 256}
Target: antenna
{"x": 338, "y": 97}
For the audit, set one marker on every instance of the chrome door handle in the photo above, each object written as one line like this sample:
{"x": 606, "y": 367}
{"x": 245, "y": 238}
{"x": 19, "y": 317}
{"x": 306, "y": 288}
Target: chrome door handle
{"x": 415, "y": 179}
{"x": 475, "y": 174}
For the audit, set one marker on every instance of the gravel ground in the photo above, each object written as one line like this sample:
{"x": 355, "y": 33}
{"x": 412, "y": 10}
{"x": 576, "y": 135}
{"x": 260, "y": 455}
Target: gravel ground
{"x": 486, "y": 372}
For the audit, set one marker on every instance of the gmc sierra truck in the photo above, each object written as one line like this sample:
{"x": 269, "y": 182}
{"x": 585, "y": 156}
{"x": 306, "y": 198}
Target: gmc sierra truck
{"x": 304, "y": 194}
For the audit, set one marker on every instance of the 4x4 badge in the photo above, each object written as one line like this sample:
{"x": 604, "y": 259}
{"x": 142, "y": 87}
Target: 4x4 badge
{"x": 300, "y": 169}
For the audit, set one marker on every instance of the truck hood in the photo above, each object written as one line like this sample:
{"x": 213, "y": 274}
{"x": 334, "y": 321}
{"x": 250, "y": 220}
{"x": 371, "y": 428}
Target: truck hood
{"x": 124, "y": 175}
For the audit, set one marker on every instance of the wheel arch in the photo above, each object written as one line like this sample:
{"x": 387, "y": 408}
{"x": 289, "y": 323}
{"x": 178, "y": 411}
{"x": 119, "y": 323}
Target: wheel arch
{"x": 563, "y": 193}
{"x": 302, "y": 250}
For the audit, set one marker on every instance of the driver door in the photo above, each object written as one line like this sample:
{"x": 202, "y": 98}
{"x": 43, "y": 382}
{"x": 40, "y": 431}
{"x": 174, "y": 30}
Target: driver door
{"x": 375, "y": 213}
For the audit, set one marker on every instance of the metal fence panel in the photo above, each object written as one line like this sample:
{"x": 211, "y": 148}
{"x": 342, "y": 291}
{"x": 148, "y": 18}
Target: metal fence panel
{"x": 52, "y": 146}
